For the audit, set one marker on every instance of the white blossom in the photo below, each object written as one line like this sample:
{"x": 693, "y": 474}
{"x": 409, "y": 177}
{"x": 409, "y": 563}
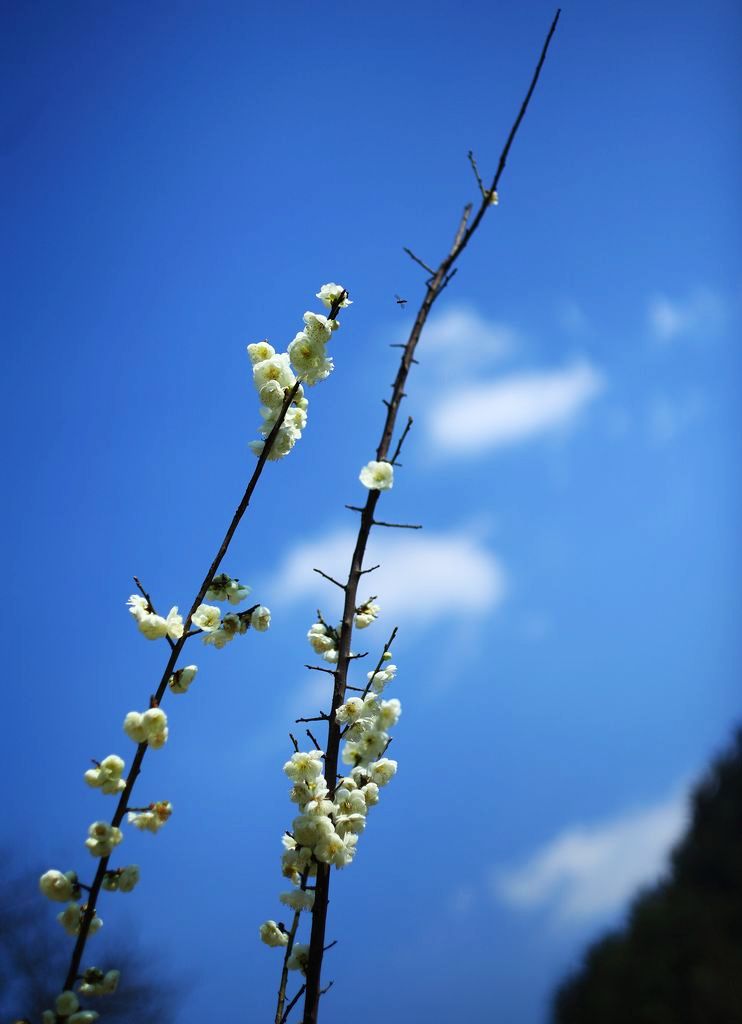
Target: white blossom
{"x": 59, "y": 887}
{"x": 366, "y": 614}
{"x": 207, "y": 617}
{"x": 382, "y": 771}
{"x": 128, "y": 877}
{"x": 299, "y": 959}
{"x": 317, "y": 328}
{"x": 298, "y": 899}
{"x": 272, "y": 935}
{"x": 261, "y": 618}
{"x": 71, "y": 918}
{"x": 389, "y": 712}
{"x": 377, "y": 476}
{"x": 319, "y": 639}
{"x": 276, "y": 368}
{"x": 181, "y": 679}
{"x": 83, "y": 1017}
{"x": 304, "y": 766}
{"x": 96, "y": 983}
{"x": 329, "y": 293}
{"x": 102, "y": 838}
{"x": 152, "y": 819}
{"x": 259, "y": 351}
{"x": 66, "y": 1003}
{"x": 107, "y": 775}
{"x": 350, "y": 711}
{"x": 310, "y": 829}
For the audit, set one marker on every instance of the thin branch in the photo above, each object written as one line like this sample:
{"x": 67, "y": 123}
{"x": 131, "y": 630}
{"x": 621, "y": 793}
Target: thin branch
{"x": 417, "y": 259}
{"x": 321, "y": 717}
{"x": 292, "y": 1004}
{"x": 401, "y": 441}
{"x": 151, "y": 607}
{"x": 435, "y": 285}
{"x": 294, "y": 743}
{"x": 318, "y": 668}
{"x": 314, "y": 740}
{"x": 326, "y": 577}
{"x": 477, "y": 175}
{"x": 398, "y": 526}
{"x": 372, "y": 569}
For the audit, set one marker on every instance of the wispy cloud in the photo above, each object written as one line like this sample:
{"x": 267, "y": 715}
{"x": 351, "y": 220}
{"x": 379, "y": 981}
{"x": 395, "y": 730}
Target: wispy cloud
{"x": 459, "y": 335}
{"x": 702, "y": 310}
{"x": 422, "y": 576}
{"x": 512, "y": 409}
{"x": 590, "y": 871}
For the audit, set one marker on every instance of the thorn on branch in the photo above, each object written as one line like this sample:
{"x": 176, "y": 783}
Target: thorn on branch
{"x": 327, "y": 988}
{"x": 373, "y": 567}
{"x": 330, "y": 945}
{"x": 417, "y": 259}
{"x": 354, "y": 508}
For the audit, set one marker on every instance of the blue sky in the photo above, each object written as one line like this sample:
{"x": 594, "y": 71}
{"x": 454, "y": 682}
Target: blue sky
{"x": 179, "y": 181}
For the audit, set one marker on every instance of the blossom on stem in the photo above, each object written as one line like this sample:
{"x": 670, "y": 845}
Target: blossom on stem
{"x": 272, "y": 935}
{"x": 377, "y": 476}
{"x": 71, "y": 919}
{"x": 207, "y": 617}
{"x": 330, "y": 293}
{"x": 298, "y": 899}
{"x": 102, "y": 838}
{"x": 147, "y": 727}
{"x": 96, "y": 983}
{"x": 224, "y": 588}
{"x": 59, "y": 887}
{"x": 260, "y": 618}
{"x": 154, "y": 627}
{"x": 299, "y": 959}
{"x": 153, "y": 818}
{"x": 366, "y": 614}
{"x": 181, "y": 679}
{"x": 107, "y": 775}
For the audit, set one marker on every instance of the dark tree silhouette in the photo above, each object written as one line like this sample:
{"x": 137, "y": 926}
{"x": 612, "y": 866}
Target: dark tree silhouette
{"x": 34, "y": 952}
{"x": 679, "y": 958}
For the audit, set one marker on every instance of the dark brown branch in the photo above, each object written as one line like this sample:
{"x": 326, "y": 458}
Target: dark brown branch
{"x": 435, "y": 285}
{"x": 294, "y": 744}
{"x": 321, "y": 717}
{"x": 373, "y": 567}
{"x": 318, "y": 668}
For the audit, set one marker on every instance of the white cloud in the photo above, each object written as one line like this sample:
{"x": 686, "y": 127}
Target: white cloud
{"x": 589, "y": 871}
{"x": 423, "y": 576}
{"x": 511, "y": 409}
{"x": 458, "y": 335}
{"x": 702, "y": 310}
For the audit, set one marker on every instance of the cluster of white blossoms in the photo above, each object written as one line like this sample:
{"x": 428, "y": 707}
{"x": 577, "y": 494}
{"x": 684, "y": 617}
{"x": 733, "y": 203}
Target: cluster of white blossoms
{"x": 121, "y": 879}
{"x": 147, "y": 727}
{"x": 377, "y": 476}
{"x": 366, "y": 613}
{"x": 154, "y": 626}
{"x": 219, "y": 630}
{"x": 102, "y": 838}
{"x": 67, "y": 1006}
{"x": 328, "y": 825}
{"x": 305, "y": 361}
{"x": 153, "y": 817}
{"x": 106, "y": 775}
{"x": 71, "y": 919}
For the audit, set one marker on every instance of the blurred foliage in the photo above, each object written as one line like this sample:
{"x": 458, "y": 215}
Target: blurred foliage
{"x": 679, "y": 958}
{"x": 35, "y": 954}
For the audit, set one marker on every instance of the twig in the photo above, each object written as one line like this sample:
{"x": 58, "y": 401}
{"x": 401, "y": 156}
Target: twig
{"x": 294, "y": 743}
{"x": 398, "y": 526}
{"x": 477, "y": 175}
{"x": 373, "y": 567}
{"x": 313, "y": 739}
{"x": 435, "y": 285}
{"x": 325, "y": 576}
{"x": 292, "y": 1004}
{"x": 151, "y": 607}
{"x": 417, "y": 259}
{"x": 321, "y": 717}
{"x": 401, "y": 441}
